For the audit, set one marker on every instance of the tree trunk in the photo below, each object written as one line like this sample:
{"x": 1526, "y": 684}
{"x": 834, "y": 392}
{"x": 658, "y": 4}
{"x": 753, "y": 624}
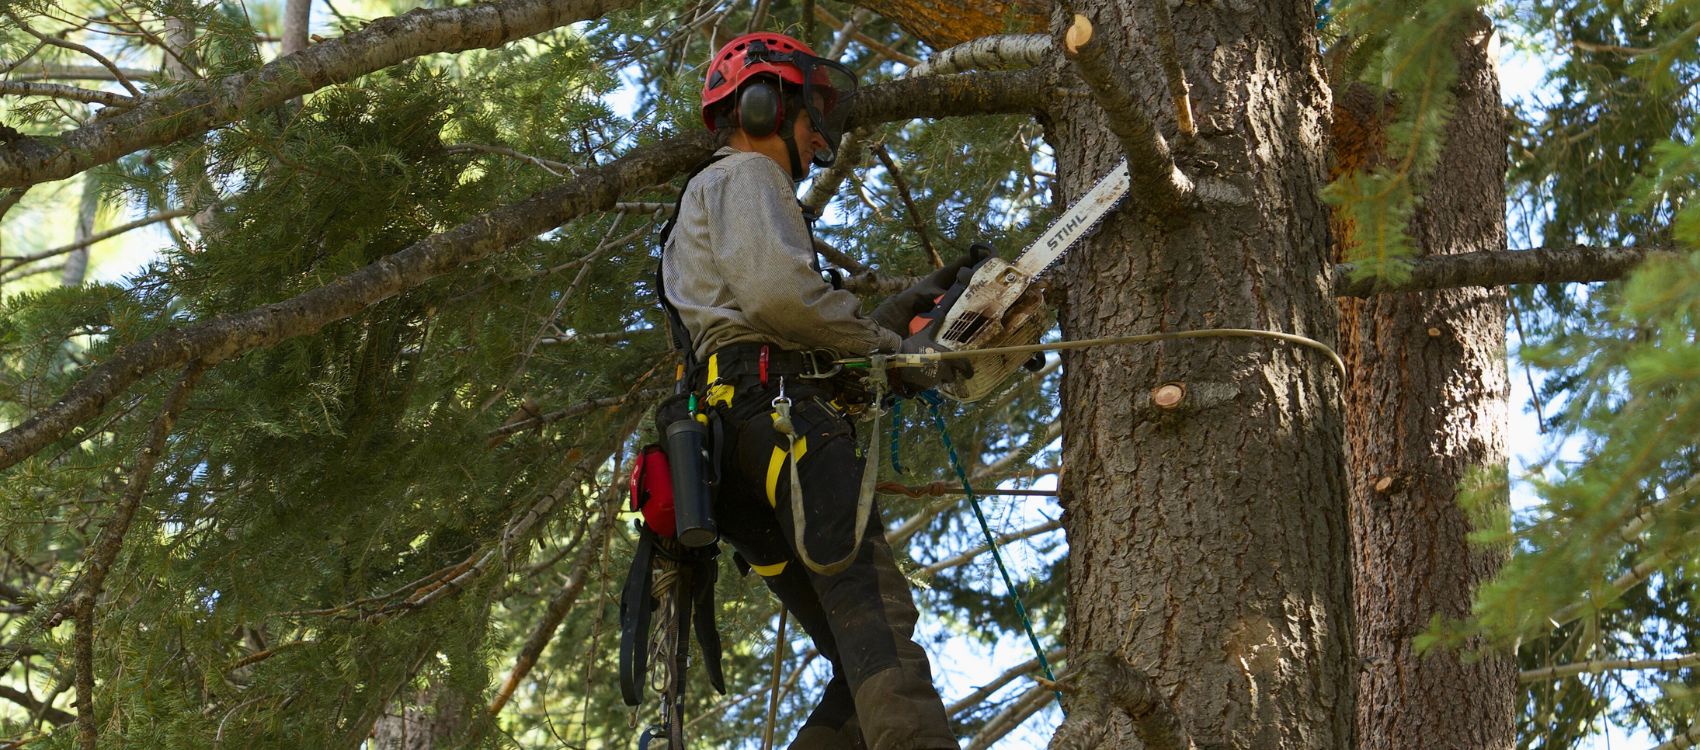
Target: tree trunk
{"x": 428, "y": 721}
{"x": 1425, "y": 409}
{"x": 88, "y": 209}
{"x": 1208, "y": 540}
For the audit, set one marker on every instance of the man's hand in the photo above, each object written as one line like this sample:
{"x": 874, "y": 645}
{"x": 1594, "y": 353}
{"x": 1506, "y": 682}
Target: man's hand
{"x": 897, "y": 310}
{"x": 913, "y": 380}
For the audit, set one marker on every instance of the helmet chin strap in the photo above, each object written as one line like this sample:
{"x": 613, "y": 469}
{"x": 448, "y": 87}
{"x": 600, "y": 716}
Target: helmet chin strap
{"x": 798, "y": 171}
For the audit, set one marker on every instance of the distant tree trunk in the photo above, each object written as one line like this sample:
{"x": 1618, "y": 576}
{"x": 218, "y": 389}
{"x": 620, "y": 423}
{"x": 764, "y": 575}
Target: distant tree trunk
{"x": 428, "y": 720}
{"x": 1425, "y": 408}
{"x": 296, "y": 14}
{"x": 88, "y": 209}
{"x": 1208, "y": 541}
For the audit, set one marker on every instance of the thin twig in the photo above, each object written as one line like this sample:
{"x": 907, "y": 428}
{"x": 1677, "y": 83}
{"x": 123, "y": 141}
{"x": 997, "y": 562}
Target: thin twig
{"x": 985, "y": 691}
{"x": 10, "y": 262}
{"x": 73, "y": 93}
{"x": 561, "y": 603}
{"x": 970, "y": 555}
{"x": 117, "y": 73}
{"x": 891, "y": 53}
{"x": 556, "y": 168}
{"x": 909, "y": 208}
{"x": 1012, "y": 717}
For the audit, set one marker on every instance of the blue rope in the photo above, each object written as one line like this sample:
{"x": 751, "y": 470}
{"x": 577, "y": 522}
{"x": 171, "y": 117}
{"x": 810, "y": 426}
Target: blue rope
{"x": 933, "y": 401}
{"x": 896, "y": 422}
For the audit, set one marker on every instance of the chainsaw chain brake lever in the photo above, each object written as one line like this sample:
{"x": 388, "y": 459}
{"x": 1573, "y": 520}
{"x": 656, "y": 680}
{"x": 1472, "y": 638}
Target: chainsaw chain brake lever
{"x": 943, "y": 303}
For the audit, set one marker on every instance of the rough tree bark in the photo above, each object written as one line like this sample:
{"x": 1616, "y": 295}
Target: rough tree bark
{"x": 1426, "y": 407}
{"x": 1208, "y": 540}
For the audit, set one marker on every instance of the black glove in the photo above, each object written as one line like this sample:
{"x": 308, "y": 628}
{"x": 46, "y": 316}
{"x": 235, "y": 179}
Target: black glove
{"x": 912, "y": 380}
{"x": 897, "y": 310}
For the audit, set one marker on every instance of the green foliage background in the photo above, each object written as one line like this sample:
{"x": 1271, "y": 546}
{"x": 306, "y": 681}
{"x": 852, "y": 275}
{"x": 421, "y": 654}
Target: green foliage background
{"x": 268, "y": 595}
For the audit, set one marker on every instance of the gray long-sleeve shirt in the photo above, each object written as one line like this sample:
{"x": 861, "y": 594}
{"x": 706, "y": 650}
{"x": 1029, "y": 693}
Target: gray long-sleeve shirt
{"x": 739, "y": 267}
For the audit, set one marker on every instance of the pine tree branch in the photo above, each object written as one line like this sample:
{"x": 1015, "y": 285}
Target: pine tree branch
{"x": 204, "y": 105}
{"x": 1011, "y": 718}
{"x": 970, "y": 555}
{"x": 1682, "y": 741}
{"x": 1174, "y": 75}
{"x": 562, "y": 602}
{"x": 1635, "y": 576}
{"x": 998, "y": 468}
{"x": 1002, "y": 52}
{"x": 117, "y": 73}
{"x": 10, "y": 262}
{"x": 964, "y": 94}
{"x": 1541, "y": 265}
{"x": 1163, "y": 189}
{"x": 985, "y": 691}
{"x": 79, "y": 73}
{"x": 493, "y": 231}
{"x": 104, "y": 551}
{"x": 867, "y": 41}
{"x": 72, "y": 93}
{"x": 1601, "y": 666}
{"x": 54, "y": 715}
{"x": 226, "y": 337}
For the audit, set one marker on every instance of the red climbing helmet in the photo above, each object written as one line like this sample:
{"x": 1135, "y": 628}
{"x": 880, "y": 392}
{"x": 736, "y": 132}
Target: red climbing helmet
{"x": 826, "y": 85}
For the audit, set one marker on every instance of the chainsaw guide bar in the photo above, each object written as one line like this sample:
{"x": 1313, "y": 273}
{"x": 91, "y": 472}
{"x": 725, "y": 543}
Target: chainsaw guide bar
{"x": 1004, "y": 302}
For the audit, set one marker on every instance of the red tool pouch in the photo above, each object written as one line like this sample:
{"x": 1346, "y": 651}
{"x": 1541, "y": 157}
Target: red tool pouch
{"x": 652, "y": 490}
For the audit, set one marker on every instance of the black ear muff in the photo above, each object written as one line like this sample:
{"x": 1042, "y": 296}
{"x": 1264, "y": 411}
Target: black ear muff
{"x": 759, "y": 109}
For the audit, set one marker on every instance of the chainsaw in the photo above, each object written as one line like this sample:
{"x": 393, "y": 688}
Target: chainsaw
{"x": 1003, "y": 303}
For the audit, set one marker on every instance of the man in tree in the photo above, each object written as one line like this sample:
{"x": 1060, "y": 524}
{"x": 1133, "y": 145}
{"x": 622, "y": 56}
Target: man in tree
{"x": 740, "y": 278}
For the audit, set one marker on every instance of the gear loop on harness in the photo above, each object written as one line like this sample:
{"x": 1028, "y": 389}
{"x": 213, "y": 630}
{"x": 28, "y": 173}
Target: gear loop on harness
{"x": 870, "y": 480}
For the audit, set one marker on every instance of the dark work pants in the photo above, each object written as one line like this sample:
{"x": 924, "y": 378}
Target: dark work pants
{"x": 862, "y": 619}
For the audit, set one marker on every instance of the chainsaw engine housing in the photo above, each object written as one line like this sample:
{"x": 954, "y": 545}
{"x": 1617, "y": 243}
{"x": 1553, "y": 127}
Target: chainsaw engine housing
{"x": 1001, "y": 307}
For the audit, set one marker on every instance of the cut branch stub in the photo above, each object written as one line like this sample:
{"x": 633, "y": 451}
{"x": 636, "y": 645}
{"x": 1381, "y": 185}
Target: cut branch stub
{"x": 1104, "y": 682}
{"x": 1163, "y": 188}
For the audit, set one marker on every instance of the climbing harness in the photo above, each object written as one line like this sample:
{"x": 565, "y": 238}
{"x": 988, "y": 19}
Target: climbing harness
{"x": 876, "y": 384}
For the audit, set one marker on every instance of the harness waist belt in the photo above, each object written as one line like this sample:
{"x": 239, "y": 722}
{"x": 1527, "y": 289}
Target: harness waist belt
{"x": 769, "y": 361}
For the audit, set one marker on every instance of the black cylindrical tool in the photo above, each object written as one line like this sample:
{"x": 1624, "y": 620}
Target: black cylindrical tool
{"x": 693, "y": 493}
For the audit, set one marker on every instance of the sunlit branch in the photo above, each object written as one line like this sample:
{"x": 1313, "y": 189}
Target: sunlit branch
{"x": 1010, "y": 718}
{"x": 79, "y": 73}
{"x": 970, "y": 555}
{"x": 1541, "y": 265}
{"x": 71, "y": 93}
{"x": 980, "y": 694}
{"x": 198, "y": 107}
{"x": 1601, "y": 666}
{"x": 1151, "y": 166}
{"x": 117, "y": 73}
{"x": 1002, "y": 52}
{"x": 9, "y": 262}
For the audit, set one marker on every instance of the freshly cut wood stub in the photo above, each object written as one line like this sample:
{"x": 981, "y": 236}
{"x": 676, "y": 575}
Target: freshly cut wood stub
{"x": 1168, "y": 395}
{"x": 1078, "y": 34}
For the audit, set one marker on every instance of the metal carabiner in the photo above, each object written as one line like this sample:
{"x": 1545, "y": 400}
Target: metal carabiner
{"x": 782, "y": 411}
{"x": 814, "y": 372}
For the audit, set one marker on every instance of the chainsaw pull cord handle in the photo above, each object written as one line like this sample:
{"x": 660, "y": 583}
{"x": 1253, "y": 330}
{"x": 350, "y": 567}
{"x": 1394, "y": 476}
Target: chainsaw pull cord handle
{"x": 870, "y": 472}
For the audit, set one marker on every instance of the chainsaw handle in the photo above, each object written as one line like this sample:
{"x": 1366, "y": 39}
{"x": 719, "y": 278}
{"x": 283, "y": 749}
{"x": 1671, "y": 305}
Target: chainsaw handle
{"x": 977, "y": 256}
